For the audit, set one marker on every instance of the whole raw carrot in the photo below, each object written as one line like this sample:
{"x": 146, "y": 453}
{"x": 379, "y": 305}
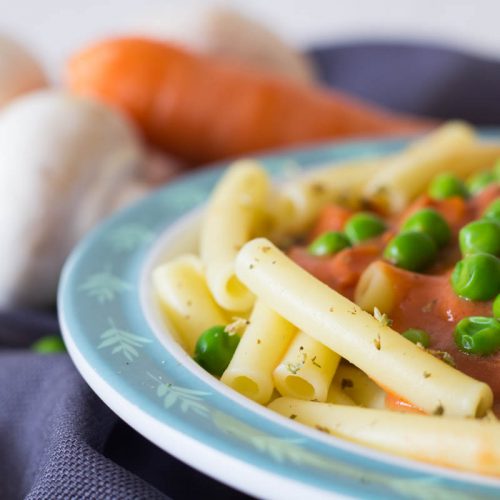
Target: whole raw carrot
{"x": 204, "y": 109}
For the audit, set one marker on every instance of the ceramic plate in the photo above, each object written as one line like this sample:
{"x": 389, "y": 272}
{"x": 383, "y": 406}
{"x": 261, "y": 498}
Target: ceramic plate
{"x": 122, "y": 348}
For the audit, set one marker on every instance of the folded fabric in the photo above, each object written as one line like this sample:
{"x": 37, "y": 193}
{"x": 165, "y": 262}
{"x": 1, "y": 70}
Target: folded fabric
{"x": 57, "y": 440}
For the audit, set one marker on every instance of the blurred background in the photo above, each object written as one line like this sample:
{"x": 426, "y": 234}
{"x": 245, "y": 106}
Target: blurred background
{"x": 56, "y": 28}
{"x": 254, "y": 75}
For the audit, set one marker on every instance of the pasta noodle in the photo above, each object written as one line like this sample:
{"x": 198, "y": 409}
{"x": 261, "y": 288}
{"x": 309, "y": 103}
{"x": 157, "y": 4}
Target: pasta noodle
{"x": 185, "y": 299}
{"x": 259, "y": 351}
{"x": 338, "y": 396}
{"x": 298, "y": 202}
{"x": 234, "y": 215}
{"x": 383, "y": 354}
{"x": 306, "y": 371}
{"x": 374, "y": 289}
{"x": 358, "y": 387}
{"x": 452, "y": 148}
{"x": 461, "y": 443}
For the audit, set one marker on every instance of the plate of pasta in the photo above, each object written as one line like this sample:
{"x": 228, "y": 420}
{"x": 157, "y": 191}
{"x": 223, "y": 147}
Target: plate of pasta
{"x": 320, "y": 321}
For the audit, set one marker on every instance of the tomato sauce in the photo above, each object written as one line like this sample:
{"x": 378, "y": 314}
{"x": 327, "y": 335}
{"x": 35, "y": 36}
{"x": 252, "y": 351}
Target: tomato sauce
{"x": 429, "y": 303}
{"x": 425, "y": 301}
{"x": 332, "y": 218}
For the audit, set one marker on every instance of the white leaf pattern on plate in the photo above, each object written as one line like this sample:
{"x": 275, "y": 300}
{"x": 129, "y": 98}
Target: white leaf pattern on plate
{"x": 104, "y": 286}
{"x": 188, "y": 400}
{"x": 128, "y": 237}
{"x": 123, "y": 341}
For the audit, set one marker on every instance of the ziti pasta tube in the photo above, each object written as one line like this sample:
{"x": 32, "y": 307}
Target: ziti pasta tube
{"x": 339, "y": 397}
{"x": 453, "y": 147}
{"x": 467, "y": 444}
{"x": 266, "y": 338}
{"x": 384, "y": 355}
{"x": 233, "y": 217}
{"x": 375, "y": 289}
{"x": 186, "y": 300}
{"x": 298, "y": 202}
{"x": 358, "y": 386}
{"x": 306, "y": 370}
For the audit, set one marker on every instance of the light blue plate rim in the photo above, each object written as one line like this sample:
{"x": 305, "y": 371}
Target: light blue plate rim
{"x": 103, "y": 322}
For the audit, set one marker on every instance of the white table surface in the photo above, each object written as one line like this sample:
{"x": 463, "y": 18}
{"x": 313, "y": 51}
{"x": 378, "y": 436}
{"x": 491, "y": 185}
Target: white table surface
{"x": 55, "y": 28}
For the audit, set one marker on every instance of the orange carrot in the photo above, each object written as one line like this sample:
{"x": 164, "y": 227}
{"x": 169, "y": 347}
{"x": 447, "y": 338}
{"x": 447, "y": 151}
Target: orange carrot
{"x": 331, "y": 218}
{"x": 455, "y": 210}
{"x": 342, "y": 270}
{"x": 395, "y": 403}
{"x": 203, "y": 109}
{"x": 347, "y": 265}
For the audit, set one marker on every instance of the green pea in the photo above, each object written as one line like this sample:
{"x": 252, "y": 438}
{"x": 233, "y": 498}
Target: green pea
{"x": 496, "y": 307}
{"x": 430, "y": 221}
{"x": 493, "y": 211}
{"x": 446, "y": 185}
{"x": 411, "y": 250}
{"x": 50, "y": 344}
{"x": 478, "y": 335}
{"x": 496, "y": 170}
{"x": 329, "y": 243}
{"x": 480, "y": 236}
{"x": 479, "y": 181}
{"x": 363, "y": 226}
{"x": 214, "y": 349}
{"x": 477, "y": 277}
{"x": 417, "y": 336}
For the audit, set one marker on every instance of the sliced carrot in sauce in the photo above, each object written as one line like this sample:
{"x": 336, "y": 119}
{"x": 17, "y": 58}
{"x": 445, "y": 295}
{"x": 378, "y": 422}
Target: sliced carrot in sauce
{"x": 332, "y": 218}
{"x": 347, "y": 266}
{"x": 342, "y": 270}
{"x": 395, "y": 403}
{"x": 481, "y": 201}
{"x": 455, "y": 210}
